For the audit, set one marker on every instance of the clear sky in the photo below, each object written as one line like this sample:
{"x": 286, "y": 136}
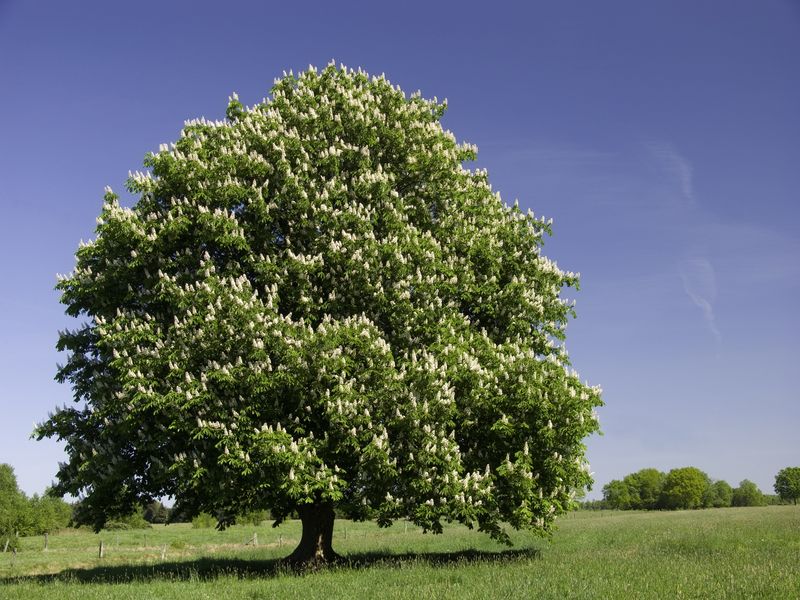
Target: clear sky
{"x": 663, "y": 138}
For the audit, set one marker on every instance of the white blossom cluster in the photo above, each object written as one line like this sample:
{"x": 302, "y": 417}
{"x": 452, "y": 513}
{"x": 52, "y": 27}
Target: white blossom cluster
{"x": 314, "y": 300}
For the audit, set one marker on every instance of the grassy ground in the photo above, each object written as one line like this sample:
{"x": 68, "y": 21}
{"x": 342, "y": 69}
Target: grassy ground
{"x": 719, "y": 553}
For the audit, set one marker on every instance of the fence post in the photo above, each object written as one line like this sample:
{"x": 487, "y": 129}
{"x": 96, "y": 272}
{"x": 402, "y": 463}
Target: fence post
{"x": 8, "y": 540}
{"x": 255, "y": 538}
{"x": 163, "y": 552}
{"x": 280, "y": 541}
{"x": 102, "y": 551}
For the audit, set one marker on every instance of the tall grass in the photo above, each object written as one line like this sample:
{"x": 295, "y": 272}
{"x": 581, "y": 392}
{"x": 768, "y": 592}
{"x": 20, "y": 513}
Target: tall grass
{"x": 719, "y": 553}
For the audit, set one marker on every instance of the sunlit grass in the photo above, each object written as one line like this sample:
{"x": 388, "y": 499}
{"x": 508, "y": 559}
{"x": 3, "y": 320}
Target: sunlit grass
{"x": 719, "y": 553}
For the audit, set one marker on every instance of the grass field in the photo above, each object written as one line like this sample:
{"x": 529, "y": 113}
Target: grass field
{"x": 718, "y": 553}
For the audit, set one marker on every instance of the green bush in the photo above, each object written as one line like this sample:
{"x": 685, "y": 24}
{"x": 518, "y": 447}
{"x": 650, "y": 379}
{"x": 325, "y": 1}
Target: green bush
{"x": 254, "y": 517}
{"x": 204, "y": 521}
{"x": 133, "y": 521}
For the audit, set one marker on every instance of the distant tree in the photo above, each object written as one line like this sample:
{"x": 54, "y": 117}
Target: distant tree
{"x": 774, "y": 500}
{"x": 155, "y": 512}
{"x": 134, "y": 520}
{"x": 20, "y": 515}
{"x": 747, "y": 494}
{"x": 787, "y": 484}
{"x": 254, "y": 517}
{"x": 48, "y": 513}
{"x": 14, "y": 508}
{"x": 203, "y": 521}
{"x": 593, "y": 505}
{"x": 617, "y": 495}
{"x": 684, "y": 488}
{"x": 315, "y": 306}
{"x": 645, "y": 488}
{"x": 719, "y": 494}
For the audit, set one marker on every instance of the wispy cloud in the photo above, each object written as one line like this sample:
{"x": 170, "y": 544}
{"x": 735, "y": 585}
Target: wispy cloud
{"x": 697, "y": 274}
{"x": 700, "y": 284}
{"x": 676, "y": 166}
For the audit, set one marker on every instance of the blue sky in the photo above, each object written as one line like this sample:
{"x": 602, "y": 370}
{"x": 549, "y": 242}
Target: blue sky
{"x": 663, "y": 138}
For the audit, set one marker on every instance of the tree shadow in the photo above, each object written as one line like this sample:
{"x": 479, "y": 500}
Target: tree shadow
{"x": 212, "y": 568}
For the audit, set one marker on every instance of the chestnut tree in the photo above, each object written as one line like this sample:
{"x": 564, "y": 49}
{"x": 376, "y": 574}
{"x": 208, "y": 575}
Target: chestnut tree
{"x": 314, "y": 305}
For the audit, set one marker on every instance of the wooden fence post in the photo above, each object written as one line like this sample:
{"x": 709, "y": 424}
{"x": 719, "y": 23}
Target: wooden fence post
{"x": 163, "y": 552}
{"x": 102, "y": 551}
{"x": 8, "y": 540}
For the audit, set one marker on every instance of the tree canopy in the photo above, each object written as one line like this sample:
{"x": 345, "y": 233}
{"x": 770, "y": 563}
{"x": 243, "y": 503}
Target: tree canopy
{"x": 719, "y": 494}
{"x": 684, "y": 488}
{"x": 640, "y": 490}
{"x": 747, "y": 494}
{"x": 13, "y": 507}
{"x": 647, "y": 489}
{"x": 787, "y": 484}
{"x": 20, "y": 515}
{"x": 313, "y": 304}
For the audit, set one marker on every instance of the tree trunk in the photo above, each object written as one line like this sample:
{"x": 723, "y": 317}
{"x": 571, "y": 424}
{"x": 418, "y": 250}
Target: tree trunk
{"x": 315, "y": 544}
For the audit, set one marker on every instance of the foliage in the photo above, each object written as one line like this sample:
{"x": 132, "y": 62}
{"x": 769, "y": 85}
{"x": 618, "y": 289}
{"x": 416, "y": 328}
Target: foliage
{"x": 617, "y": 495}
{"x": 687, "y": 487}
{"x": 315, "y": 302}
{"x": 774, "y": 500}
{"x": 48, "y": 514}
{"x": 13, "y": 507}
{"x": 593, "y": 505}
{"x": 20, "y": 515}
{"x": 156, "y": 512}
{"x": 718, "y": 494}
{"x": 255, "y": 517}
{"x": 134, "y": 520}
{"x": 684, "y": 488}
{"x": 640, "y": 490}
{"x": 787, "y": 484}
{"x": 647, "y": 484}
{"x": 747, "y": 494}
{"x": 204, "y": 521}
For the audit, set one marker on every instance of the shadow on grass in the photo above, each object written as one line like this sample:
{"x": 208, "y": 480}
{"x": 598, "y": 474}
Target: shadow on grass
{"x": 212, "y": 568}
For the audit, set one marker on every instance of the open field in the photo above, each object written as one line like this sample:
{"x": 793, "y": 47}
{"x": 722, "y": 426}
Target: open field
{"x": 718, "y": 553}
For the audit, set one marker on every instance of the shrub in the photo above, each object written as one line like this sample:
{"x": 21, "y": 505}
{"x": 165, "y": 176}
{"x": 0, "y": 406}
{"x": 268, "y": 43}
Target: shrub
{"x": 204, "y": 521}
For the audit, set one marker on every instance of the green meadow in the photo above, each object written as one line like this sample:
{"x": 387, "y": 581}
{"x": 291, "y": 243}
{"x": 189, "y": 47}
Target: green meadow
{"x": 716, "y": 553}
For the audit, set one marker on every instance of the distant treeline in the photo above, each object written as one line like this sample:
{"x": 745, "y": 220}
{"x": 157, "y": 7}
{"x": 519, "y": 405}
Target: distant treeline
{"x": 23, "y": 516}
{"x": 682, "y": 488}
{"x": 20, "y": 515}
